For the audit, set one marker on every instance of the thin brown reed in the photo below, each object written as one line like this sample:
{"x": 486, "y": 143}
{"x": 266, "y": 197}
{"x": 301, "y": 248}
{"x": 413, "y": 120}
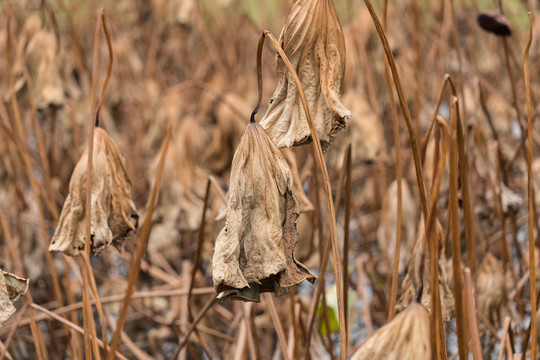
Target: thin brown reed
{"x": 134, "y": 269}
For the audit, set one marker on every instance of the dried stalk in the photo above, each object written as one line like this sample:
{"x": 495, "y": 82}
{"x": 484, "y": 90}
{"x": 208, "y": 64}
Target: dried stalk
{"x": 4, "y": 350}
{"x": 73, "y": 326}
{"x": 530, "y": 193}
{"x": 296, "y": 335}
{"x": 319, "y": 290}
{"x": 88, "y": 277}
{"x": 253, "y": 345}
{"x": 418, "y": 168}
{"x": 23, "y": 145}
{"x": 399, "y": 176}
{"x": 134, "y": 269}
{"x": 506, "y": 327}
{"x": 404, "y": 109}
{"x": 36, "y": 331}
{"x": 199, "y": 317}
{"x": 471, "y": 315}
{"x": 436, "y": 319}
{"x": 456, "y": 235}
{"x": 271, "y": 306}
{"x": 197, "y": 259}
{"x": 328, "y": 190}
{"x": 362, "y": 293}
{"x": 49, "y": 200}
{"x": 111, "y": 299}
{"x": 346, "y": 236}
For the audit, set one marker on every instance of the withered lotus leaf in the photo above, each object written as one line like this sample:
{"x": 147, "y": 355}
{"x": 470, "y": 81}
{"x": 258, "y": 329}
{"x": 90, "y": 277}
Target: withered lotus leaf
{"x": 11, "y": 288}
{"x": 254, "y": 252}
{"x": 491, "y": 292}
{"x": 38, "y": 50}
{"x": 313, "y": 41}
{"x": 386, "y": 232}
{"x": 113, "y": 212}
{"x": 303, "y": 201}
{"x": 406, "y": 337}
{"x": 412, "y": 282}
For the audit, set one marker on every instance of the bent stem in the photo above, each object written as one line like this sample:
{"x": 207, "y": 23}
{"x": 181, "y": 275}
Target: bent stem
{"x": 404, "y": 109}
{"x": 435, "y": 327}
{"x": 328, "y": 190}
{"x": 87, "y": 274}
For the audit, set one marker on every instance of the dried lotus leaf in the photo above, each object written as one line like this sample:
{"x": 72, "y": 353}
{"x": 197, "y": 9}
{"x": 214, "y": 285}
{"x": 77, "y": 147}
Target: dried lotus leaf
{"x": 179, "y": 206}
{"x": 11, "y": 288}
{"x": 313, "y": 41}
{"x": 38, "y": 51}
{"x": 113, "y": 212}
{"x": 411, "y": 282}
{"x": 406, "y": 337}
{"x": 386, "y": 232}
{"x": 16, "y": 286}
{"x": 254, "y": 252}
{"x": 303, "y": 201}
{"x": 364, "y": 132}
{"x": 492, "y": 298}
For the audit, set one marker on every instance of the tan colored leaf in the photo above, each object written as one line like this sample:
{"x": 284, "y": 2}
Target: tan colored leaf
{"x": 254, "y": 252}
{"x": 113, "y": 212}
{"x": 313, "y": 41}
{"x": 303, "y": 201}
{"x": 491, "y": 293}
{"x": 11, "y": 288}
{"x": 406, "y": 337}
{"x": 179, "y": 205}
{"x": 38, "y": 50}
{"x": 386, "y": 233}
{"x": 411, "y": 282}
{"x": 366, "y": 133}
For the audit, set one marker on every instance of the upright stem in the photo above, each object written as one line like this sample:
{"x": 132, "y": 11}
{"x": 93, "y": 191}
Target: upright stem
{"x": 328, "y": 190}
{"x": 456, "y": 236}
{"x": 404, "y": 109}
{"x": 399, "y": 171}
{"x": 346, "y": 240}
{"x": 135, "y": 266}
{"x": 87, "y": 312}
{"x": 530, "y": 193}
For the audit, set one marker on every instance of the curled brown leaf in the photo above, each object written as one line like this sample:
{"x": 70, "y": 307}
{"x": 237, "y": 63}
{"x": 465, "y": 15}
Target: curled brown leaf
{"x": 113, "y": 212}
{"x": 313, "y": 41}
{"x": 254, "y": 252}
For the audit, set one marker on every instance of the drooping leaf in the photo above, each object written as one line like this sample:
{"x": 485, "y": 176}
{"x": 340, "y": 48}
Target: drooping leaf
{"x": 313, "y": 41}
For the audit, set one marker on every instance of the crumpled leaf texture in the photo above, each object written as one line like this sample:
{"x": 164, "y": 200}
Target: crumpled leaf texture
{"x": 38, "y": 51}
{"x": 406, "y": 337}
{"x": 313, "y": 41}
{"x": 254, "y": 252}
{"x": 492, "y": 298}
{"x": 411, "y": 282}
{"x": 113, "y": 212}
{"x": 11, "y": 288}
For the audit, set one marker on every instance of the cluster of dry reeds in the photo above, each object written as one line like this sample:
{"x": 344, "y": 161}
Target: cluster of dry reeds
{"x": 399, "y": 138}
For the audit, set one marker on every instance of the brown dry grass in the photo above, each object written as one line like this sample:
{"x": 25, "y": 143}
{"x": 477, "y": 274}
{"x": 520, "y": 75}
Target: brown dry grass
{"x": 443, "y": 104}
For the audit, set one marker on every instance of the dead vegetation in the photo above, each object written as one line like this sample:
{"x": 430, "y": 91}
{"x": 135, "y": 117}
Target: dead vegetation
{"x": 425, "y": 195}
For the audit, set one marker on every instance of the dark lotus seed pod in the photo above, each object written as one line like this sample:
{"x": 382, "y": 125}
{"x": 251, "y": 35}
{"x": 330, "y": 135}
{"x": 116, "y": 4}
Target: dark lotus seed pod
{"x": 494, "y": 22}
